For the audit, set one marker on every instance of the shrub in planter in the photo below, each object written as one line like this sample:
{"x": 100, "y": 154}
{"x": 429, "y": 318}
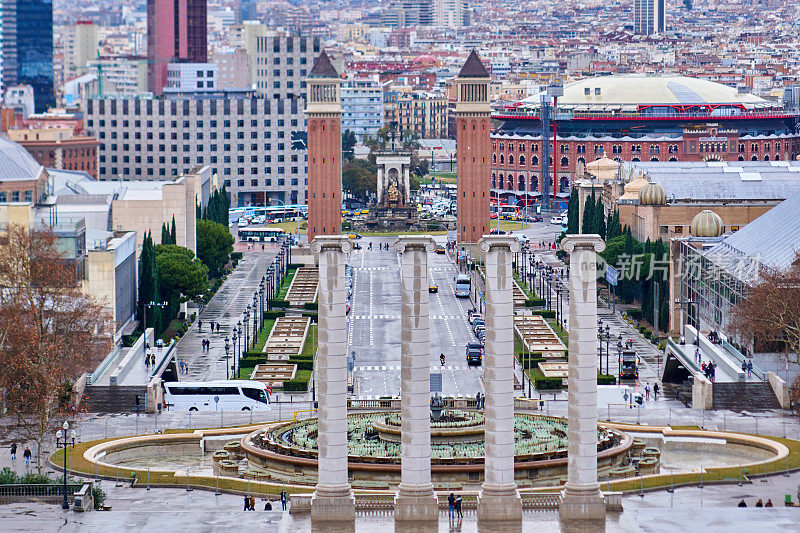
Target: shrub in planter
{"x": 635, "y": 314}
{"x": 534, "y": 302}
{"x": 606, "y": 379}
{"x": 545, "y": 313}
{"x": 272, "y": 315}
{"x": 310, "y": 306}
{"x": 279, "y": 303}
{"x": 547, "y": 383}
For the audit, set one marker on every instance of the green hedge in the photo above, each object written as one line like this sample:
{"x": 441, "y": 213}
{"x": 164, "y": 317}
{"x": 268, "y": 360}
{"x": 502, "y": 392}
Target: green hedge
{"x": 236, "y": 256}
{"x": 545, "y": 313}
{"x": 279, "y": 303}
{"x": 606, "y": 379}
{"x": 310, "y": 306}
{"x": 299, "y": 383}
{"x": 534, "y": 302}
{"x": 273, "y": 314}
{"x": 547, "y": 383}
{"x": 635, "y": 314}
{"x": 295, "y": 265}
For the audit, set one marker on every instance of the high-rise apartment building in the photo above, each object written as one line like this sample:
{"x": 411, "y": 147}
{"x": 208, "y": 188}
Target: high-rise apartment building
{"x": 362, "y": 106}
{"x": 176, "y": 31}
{"x": 80, "y": 47}
{"x": 283, "y": 63}
{"x": 449, "y": 13}
{"x": 649, "y": 16}
{"x": 34, "y": 21}
{"x": 409, "y": 13}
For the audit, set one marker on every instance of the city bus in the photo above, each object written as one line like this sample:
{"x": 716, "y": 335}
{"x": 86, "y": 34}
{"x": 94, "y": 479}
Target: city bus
{"x": 261, "y": 234}
{"x": 502, "y": 211}
{"x": 222, "y": 395}
{"x": 462, "y": 286}
{"x": 270, "y": 213}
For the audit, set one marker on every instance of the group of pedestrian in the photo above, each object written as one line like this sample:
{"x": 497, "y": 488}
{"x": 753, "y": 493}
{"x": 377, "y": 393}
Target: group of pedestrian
{"x": 27, "y": 454}
{"x": 547, "y": 245}
{"x": 149, "y": 360}
{"x": 206, "y": 344}
{"x": 214, "y": 326}
{"x": 454, "y": 506}
{"x": 480, "y": 400}
{"x": 759, "y": 503}
{"x": 747, "y": 367}
{"x": 709, "y": 370}
{"x": 249, "y": 503}
{"x": 183, "y": 367}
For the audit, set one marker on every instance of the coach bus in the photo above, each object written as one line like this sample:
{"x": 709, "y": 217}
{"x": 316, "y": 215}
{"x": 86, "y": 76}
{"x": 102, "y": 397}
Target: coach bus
{"x": 261, "y": 234}
{"x": 222, "y": 395}
{"x": 462, "y": 286}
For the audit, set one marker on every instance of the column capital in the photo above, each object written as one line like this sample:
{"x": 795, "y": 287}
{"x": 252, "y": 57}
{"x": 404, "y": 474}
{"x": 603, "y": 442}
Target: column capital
{"x": 584, "y": 241}
{"x": 496, "y": 242}
{"x": 422, "y": 243}
{"x": 338, "y": 243}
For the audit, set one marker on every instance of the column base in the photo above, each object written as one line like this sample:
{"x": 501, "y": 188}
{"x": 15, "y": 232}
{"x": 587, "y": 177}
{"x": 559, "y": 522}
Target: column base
{"x": 582, "y": 504}
{"x": 499, "y": 504}
{"x": 333, "y": 504}
{"x": 416, "y": 504}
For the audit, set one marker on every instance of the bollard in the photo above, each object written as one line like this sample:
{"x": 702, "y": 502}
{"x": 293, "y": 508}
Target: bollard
{"x": 188, "y": 487}
{"x": 671, "y": 483}
{"x": 641, "y": 485}
{"x": 217, "y": 492}
{"x": 148, "y": 479}
{"x": 608, "y": 418}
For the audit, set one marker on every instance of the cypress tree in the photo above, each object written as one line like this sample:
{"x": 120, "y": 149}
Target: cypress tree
{"x": 164, "y": 234}
{"x": 599, "y": 219}
{"x": 173, "y": 237}
{"x": 148, "y": 281}
{"x": 587, "y": 224}
{"x": 572, "y": 212}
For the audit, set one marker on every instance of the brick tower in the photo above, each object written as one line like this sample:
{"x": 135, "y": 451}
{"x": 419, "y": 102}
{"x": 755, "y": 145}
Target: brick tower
{"x": 473, "y": 150}
{"x": 324, "y": 114}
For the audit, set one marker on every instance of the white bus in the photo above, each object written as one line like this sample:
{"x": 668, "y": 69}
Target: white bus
{"x": 223, "y": 395}
{"x": 462, "y": 285}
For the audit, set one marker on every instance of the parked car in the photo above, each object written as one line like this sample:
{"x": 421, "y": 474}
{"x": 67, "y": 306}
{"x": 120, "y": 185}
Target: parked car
{"x": 522, "y": 238}
{"x": 557, "y": 220}
{"x": 498, "y": 232}
{"x": 243, "y": 223}
{"x": 433, "y": 288}
{"x": 474, "y": 316}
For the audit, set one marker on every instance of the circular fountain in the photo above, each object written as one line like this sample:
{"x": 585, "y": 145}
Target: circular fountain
{"x": 289, "y": 450}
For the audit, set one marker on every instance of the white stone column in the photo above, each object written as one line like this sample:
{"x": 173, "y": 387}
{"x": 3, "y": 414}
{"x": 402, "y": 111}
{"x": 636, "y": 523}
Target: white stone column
{"x": 415, "y": 500}
{"x": 405, "y": 169}
{"x": 380, "y": 184}
{"x": 333, "y": 500}
{"x": 499, "y": 499}
{"x": 581, "y": 497}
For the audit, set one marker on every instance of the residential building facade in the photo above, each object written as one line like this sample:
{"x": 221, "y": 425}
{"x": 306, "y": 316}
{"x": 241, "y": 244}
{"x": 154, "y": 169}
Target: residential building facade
{"x": 362, "y": 106}
{"x": 176, "y": 30}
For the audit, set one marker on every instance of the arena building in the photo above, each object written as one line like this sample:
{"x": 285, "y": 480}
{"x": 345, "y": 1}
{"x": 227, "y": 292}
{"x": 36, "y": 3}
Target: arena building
{"x": 637, "y": 118}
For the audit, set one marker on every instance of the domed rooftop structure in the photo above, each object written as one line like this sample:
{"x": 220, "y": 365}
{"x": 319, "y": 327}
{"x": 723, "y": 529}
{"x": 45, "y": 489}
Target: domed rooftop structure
{"x": 632, "y": 188}
{"x": 641, "y": 89}
{"x": 603, "y": 168}
{"x": 706, "y": 224}
{"x": 424, "y": 58}
{"x": 652, "y": 194}
{"x": 16, "y": 163}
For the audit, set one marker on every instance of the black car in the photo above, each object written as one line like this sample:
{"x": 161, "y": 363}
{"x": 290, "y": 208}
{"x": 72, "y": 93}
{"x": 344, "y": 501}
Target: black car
{"x": 474, "y": 353}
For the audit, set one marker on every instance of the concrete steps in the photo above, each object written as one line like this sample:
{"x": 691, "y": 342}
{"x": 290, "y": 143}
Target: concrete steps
{"x": 740, "y": 396}
{"x": 118, "y": 399}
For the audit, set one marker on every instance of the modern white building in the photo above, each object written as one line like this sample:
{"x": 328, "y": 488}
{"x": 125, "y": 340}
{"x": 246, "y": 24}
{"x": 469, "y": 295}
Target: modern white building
{"x": 247, "y": 141}
{"x": 362, "y": 106}
{"x": 649, "y": 16}
{"x": 191, "y": 77}
{"x": 21, "y": 99}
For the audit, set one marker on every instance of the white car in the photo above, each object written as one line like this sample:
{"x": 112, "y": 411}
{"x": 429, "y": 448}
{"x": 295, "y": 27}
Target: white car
{"x": 522, "y": 238}
{"x": 242, "y": 223}
{"x": 557, "y": 220}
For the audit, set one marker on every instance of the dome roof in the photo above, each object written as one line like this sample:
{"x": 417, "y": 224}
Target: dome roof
{"x": 706, "y": 224}
{"x": 652, "y": 194}
{"x": 424, "y": 58}
{"x": 16, "y": 163}
{"x": 632, "y": 188}
{"x": 635, "y": 89}
{"x": 604, "y": 168}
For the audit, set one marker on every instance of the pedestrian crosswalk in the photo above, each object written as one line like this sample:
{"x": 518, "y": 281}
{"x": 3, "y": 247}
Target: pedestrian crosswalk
{"x": 384, "y": 397}
{"x": 397, "y": 317}
{"x": 396, "y": 368}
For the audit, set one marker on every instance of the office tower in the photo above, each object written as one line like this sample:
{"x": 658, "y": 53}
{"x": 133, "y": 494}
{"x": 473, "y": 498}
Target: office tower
{"x": 324, "y": 114}
{"x": 473, "y": 149}
{"x": 449, "y": 13}
{"x": 247, "y": 10}
{"x": 8, "y": 45}
{"x": 176, "y": 31}
{"x": 649, "y": 16}
{"x": 81, "y": 47}
{"x": 283, "y": 63}
{"x": 35, "y": 50}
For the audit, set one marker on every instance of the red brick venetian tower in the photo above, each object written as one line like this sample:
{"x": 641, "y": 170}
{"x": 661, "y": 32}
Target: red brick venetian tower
{"x": 324, "y": 115}
{"x": 473, "y": 150}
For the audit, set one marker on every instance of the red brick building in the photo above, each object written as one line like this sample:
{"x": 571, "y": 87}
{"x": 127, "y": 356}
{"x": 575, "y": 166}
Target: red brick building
{"x": 637, "y": 118}
{"x": 59, "y": 148}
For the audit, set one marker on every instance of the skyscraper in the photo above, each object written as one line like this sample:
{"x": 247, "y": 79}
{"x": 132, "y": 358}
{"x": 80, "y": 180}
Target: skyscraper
{"x": 176, "y": 31}
{"x": 649, "y": 16}
{"x": 8, "y": 44}
{"x": 34, "y": 21}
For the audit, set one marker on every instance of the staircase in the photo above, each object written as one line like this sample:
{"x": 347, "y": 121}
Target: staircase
{"x": 116, "y": 399}
{"x": 740, "y": 396}
{"x": 684, "y": 391}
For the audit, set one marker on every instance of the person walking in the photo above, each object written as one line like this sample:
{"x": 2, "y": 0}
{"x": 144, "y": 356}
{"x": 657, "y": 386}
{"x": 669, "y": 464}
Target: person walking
{"x": 458, "y": 507}
{"x": 246, "y": 502}
{"x": 199, "y": 325}
{"x": 13, "y": 451}
{"x": 769, "y": 503}
{"x": 252, "y": 503}
{"x": 27, "y": 455}
{"x": 744, "y": 367}
{"x": 742, "y": 504}
{"x": 759, "y": 503}
{"x": 478, "y": 400}
{"x": 647, "y": 391}
{"x": 697, "y": 356}
{"x": 451, "y": 505}
{"x": 749, "y": 369}
{"x": 284, "y": 499}
{"x": 655, "y": 391}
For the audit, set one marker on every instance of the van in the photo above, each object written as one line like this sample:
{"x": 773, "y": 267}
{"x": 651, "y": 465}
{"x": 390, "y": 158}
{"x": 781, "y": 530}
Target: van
{"x": 474, "y": 353}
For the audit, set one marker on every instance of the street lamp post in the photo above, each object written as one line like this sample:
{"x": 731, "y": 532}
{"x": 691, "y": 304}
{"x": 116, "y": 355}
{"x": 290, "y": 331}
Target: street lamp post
{"x": 238, "y": 337}
{"x": 247, "y": 326}
{"x": 62, "y": 442}
{"x": 227, "y": 350}
{"x": 150, "y": 305}
{"x": 261, "y": 298}
{"x": 255, "y": 317}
